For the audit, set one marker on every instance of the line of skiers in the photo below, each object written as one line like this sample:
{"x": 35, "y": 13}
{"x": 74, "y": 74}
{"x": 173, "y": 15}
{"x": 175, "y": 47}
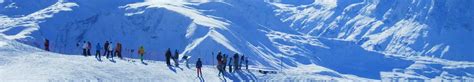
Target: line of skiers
{"x": 236, "y": 61}
{"x": 109, "y": 50}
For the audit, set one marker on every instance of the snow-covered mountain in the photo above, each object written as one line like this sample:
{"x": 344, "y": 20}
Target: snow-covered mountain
{"x": 372, "y": 39}
{"x": 433, "y": 28}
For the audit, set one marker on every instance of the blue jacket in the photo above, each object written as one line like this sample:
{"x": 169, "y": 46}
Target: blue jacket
{"x": 98, "y": 47}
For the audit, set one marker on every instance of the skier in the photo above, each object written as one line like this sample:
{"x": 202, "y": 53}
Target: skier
{"x": 89, "y": 47}
{"x": 111, "y": 49}
{"x": 46, "y": 45}
{"x": 230, "y": 65}
{"x": 106, "y": 48}
{"x": 175, "y": 58}
{"x": 118, "y": 50}
{"x": 224, "y": 62}
{"x": 167, "y": 57}
{"x": 220, "y": 69}
{"x": 84, "y": 48}
{"x": 247, "y": 63}
{"x": 198, "y": 67}
{"x": 219, "y": 63}
{"x": 241, "y": 62}
{"x": 131, "y": 51}
{"x": 236, "y": 61}
{"x": 219, "y": 58}
{"x": 97, "y": 51}
{"x": 141, "y": 51}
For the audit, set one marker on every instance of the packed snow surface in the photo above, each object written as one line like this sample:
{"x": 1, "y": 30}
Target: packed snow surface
{"x": 298, "y": 39}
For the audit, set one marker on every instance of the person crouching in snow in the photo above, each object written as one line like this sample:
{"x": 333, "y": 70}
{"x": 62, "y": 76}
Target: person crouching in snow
{"x": 186, "y": 60}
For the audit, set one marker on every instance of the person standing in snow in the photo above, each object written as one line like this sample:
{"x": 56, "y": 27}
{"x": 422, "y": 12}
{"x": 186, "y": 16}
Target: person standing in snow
{"x": 241, "y": 62}
{"x": 224, "y": 62}
{"x": 198, "y": 67}
{"x": 247, "y": 63}
{"x": 118, "y": 50}
{"x": 106, "y": 48}
{"x": 46, "y": 44}
{"x": 167, "y": 57}
{"x": 97, "y": 51}
{"x": 219, "y": 58}
{"x": 141, "y": 51}
{"x": 175, "y": 58}
{"x": 111, "y": 50}
{"x": 236, "y": 62}
{"x": 84, "y": 48}
{"x": 230, "y": 65}
{"x": 131, "y": 51}
{"x": 220, "y": 69}
{"x": 89, "y": 47}
{"x": 219, "y": 63}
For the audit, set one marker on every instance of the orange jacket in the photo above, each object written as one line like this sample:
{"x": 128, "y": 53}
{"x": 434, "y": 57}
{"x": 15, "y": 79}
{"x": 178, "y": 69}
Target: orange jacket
{"x": 141, "y": 51}
{"x": 119, "y": 47}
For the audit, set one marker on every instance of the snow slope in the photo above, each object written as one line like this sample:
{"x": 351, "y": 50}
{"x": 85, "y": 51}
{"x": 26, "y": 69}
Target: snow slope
{"x": 21, "y": 62}
{"x": 359, "y": 38}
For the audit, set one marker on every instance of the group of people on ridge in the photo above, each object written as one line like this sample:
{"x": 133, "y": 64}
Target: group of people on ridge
{"x": 110, "y": 51}
{"x": 175, "y": 58}
{"x": 236, "y": 61}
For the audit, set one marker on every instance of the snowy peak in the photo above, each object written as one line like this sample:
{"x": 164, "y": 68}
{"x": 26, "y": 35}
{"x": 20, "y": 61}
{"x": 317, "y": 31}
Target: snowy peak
{"x": 405, "y": 28}
{"x": 179, "y": 7}
{"x": 22, "y": 27}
